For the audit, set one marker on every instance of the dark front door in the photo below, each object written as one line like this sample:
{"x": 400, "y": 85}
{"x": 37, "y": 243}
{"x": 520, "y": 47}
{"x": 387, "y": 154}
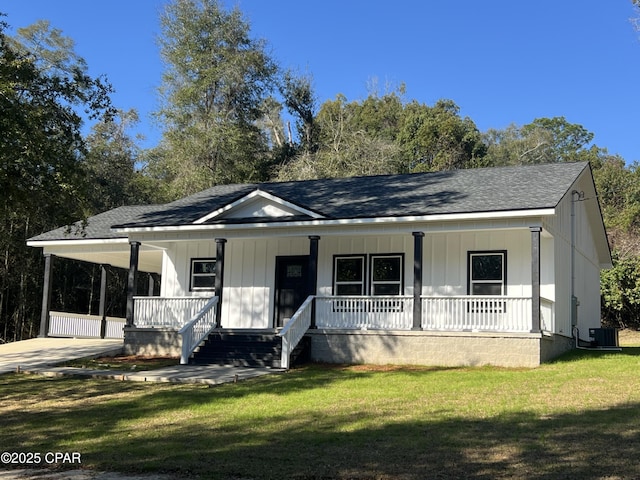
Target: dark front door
{"x": 292, "y": 286}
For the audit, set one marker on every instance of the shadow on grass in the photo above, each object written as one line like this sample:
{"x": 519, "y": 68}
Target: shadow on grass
{"x": 587, "y": 446}
{"x": 582, "y": 354}
{"x": 206, "y": 433}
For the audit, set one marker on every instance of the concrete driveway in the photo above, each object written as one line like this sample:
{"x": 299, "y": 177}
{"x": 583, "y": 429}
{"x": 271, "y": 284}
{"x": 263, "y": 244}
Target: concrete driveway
{"x": 40, "y": 352}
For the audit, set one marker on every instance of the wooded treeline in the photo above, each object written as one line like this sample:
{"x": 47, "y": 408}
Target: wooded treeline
{"x": 231, "y": 113}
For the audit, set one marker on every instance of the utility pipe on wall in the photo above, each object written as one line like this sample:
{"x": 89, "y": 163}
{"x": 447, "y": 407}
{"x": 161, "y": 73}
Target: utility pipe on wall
{"x": 576, "y": 196}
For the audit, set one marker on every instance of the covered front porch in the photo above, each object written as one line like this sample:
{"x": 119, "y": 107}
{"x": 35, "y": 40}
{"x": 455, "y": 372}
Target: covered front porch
{"x": 240, "y": 294}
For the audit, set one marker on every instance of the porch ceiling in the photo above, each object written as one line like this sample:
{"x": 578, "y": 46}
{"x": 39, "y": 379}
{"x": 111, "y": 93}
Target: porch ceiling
{"x": 150, "y": 260}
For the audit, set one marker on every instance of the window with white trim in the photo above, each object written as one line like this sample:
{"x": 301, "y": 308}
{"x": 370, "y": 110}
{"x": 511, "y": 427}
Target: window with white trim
{"x": 349, "y": 275}
{"x": 203, "y": 274}
{"x": 386, "y": 275}
{"x": 487, "y": 276}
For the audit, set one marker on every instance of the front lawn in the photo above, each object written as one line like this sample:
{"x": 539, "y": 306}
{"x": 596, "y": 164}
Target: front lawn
{"x": 578, "y": 417}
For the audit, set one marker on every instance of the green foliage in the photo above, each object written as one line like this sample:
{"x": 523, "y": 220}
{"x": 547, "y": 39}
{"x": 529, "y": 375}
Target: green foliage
{"x": 436, "y": 138}
{"x": 382, "y": 135}
{"x": 349, "y": 141}
{"x": 619, "y": 192}
{"x": 618, "y": 187}
{"x": 300, "y": 100}
{"x": 545, "y": 140}
{"x": 567, "y": 139}
{"x": 620, "y": 290}
{"x": 113, "y": 164}
{"x": 44, "y": 90}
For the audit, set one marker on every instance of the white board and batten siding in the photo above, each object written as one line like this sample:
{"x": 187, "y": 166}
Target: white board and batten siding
{"x": 249, "y": 276}
{"x": 249, "y": 281}
{"x": 587, "y": 263}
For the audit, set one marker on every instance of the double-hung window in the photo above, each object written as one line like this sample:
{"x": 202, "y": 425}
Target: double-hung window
{"x": 382, "y": 274}
{"x": 349, "y": 275}
{"x": 203, "y": 274}
{"x": 487, "y": 276}
{"x": 386, "y": 275}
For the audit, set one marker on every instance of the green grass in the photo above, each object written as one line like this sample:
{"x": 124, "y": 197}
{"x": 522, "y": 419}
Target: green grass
{"x": 578, "y": 417}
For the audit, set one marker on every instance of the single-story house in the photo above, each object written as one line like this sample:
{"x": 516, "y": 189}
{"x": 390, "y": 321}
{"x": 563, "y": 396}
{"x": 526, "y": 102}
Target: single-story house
{"x": 469, "y": 267}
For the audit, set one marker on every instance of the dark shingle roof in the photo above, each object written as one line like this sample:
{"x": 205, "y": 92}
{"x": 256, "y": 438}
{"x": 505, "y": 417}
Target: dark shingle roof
{"x": 97, "y": 226}
{"x": 458, "y": 191}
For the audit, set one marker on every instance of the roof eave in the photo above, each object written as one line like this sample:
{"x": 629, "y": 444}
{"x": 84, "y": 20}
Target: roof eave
{"x": 539, "y": 212}
{"x": 76, "y": 241}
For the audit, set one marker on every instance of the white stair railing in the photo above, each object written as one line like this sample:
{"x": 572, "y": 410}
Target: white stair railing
{"x": 197, "y": 329}
{"x": 294, "y": 330}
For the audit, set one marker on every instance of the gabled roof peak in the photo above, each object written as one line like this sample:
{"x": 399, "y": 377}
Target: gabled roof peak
{"x": 258, "y": 204}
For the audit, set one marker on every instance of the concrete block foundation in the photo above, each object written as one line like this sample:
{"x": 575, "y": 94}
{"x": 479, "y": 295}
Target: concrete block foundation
{"x": 398, "y": 347}
{"x": 152, "y": 342}
{"x": 449, "y": 349}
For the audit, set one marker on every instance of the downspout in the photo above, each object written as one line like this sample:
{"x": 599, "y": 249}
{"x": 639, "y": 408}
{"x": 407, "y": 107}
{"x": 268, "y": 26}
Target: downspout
{"x": 576, "y": 196}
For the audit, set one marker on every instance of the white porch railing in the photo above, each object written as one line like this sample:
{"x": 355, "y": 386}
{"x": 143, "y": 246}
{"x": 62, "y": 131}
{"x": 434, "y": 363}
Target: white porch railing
{"x": 63, "y": 324}
{"x": 197, "y": 329}
{"x": 454, "y": 313}
{"x": 294, "y": 330}
{"x": 477, "y": 313}
{"x": 363, "y": 313}
{"x": 172, "y": 312}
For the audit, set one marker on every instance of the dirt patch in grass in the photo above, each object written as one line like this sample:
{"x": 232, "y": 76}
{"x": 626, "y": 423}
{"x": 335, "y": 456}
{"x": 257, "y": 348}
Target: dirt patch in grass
{"x": 390, "y": 368}
{"x": 124, "y": 362}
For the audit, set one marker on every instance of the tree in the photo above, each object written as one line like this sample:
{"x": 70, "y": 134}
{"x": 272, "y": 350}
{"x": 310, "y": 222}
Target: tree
{"x": 213, "y": 90}
{"x": 436, "y": 138}
{"x": 115, "y": 165}
{"x": 620, "y": 290}
{"x": 545, "y": 140}
{"x": 300, "y": 100}
{"x": 350, "y": 141}
{"x": 44, "y": 93}
{"x": 568, "y": 140}
{"x": 618, "y": 188}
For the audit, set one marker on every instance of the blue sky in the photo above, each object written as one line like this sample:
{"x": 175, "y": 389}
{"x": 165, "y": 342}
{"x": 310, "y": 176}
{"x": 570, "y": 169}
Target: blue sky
{"x": 500, "y": 61}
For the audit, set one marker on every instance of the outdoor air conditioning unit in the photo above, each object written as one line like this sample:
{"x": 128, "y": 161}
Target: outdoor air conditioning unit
{"x": 604, "y": 337}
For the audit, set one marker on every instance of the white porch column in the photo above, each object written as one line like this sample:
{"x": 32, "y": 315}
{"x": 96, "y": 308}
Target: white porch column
{"x": 535, "y": 278}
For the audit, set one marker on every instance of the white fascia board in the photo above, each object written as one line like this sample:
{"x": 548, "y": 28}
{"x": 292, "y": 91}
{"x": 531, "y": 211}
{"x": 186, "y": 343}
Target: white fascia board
{"x": 251, "y": 196}
{"x": 349, "y": 221}
{"x": 78, "y": 242}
